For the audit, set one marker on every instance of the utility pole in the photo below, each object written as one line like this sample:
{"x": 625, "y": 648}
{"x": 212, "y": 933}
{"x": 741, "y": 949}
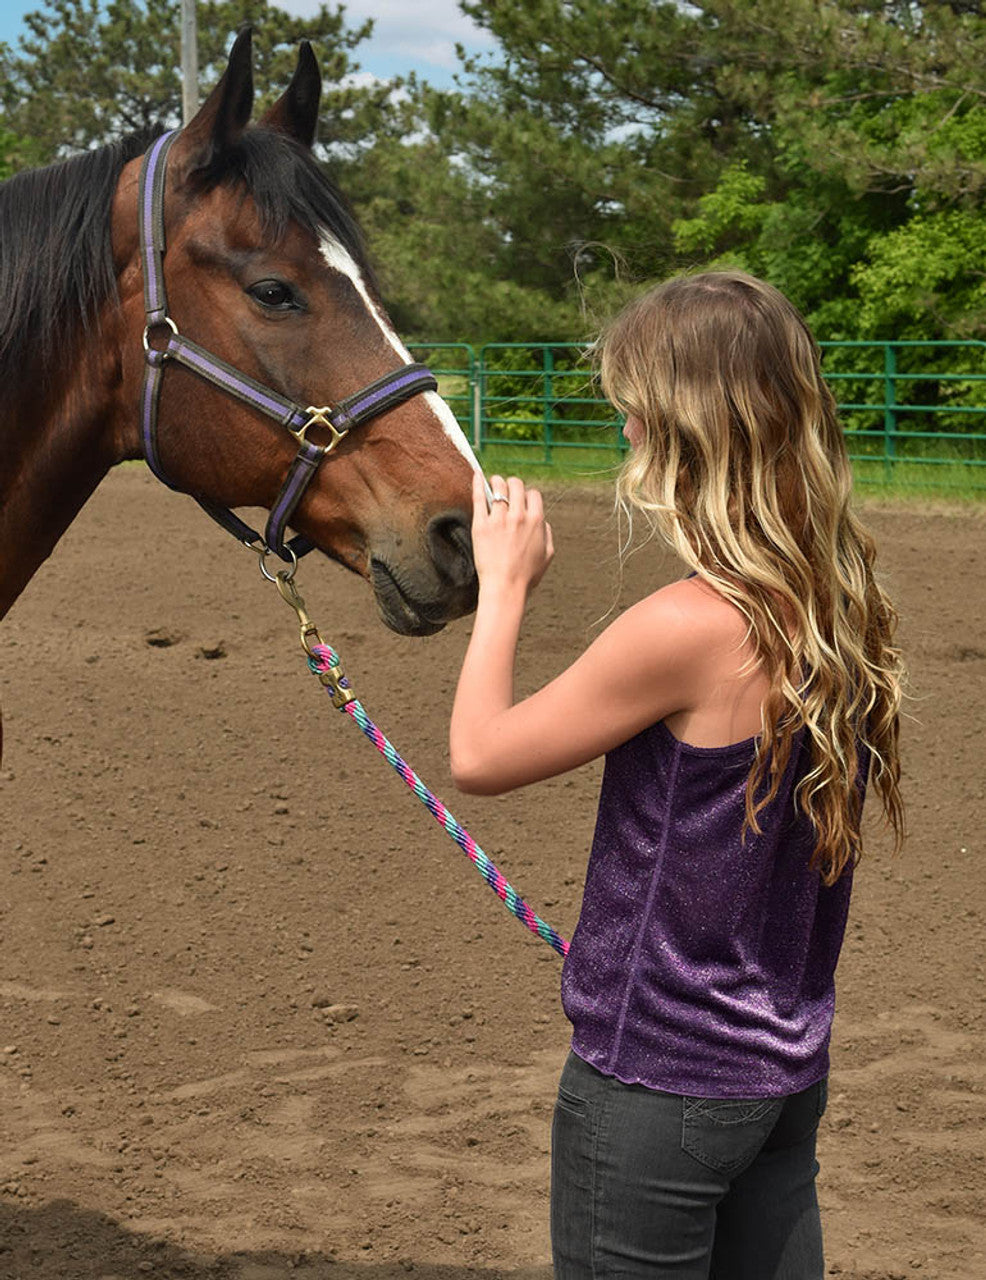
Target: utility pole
{"x": 189, "y": 62}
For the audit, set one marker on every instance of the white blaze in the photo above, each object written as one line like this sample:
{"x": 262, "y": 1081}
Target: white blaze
{"x": 340, "y": 260}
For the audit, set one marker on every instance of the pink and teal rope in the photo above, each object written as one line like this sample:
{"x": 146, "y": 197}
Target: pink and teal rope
{"x": 324, "y": 657}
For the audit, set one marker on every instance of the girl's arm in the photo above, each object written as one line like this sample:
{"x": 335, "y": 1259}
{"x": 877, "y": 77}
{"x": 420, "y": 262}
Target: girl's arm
{"x": 641, "y": 669}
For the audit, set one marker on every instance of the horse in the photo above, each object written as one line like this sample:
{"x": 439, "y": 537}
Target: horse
{"x": 259, "y": 265}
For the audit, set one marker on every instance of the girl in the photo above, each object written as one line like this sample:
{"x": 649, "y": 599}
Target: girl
{"x": 742, "y": 711}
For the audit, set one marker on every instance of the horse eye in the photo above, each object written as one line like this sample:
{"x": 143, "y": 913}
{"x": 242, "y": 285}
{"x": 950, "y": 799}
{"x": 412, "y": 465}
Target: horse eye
{"x": 275, "y": 295}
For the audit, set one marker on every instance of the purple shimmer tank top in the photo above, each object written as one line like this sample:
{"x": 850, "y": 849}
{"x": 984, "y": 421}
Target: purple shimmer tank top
{"x": 701, "y": 965}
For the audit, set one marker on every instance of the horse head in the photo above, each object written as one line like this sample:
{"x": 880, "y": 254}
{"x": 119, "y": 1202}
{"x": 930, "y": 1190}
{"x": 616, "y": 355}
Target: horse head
{"x": 264, "y": 268}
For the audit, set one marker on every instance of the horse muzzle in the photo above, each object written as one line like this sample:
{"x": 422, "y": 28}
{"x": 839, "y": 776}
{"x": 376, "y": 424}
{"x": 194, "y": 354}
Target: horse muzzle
{"x": 418, "y": 595}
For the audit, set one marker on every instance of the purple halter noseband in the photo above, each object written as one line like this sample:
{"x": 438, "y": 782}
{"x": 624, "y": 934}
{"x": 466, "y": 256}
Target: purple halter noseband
{"x": 383, "y": 394}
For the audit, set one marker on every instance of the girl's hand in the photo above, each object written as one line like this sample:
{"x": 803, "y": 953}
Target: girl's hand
{"x": 511, "y": 541}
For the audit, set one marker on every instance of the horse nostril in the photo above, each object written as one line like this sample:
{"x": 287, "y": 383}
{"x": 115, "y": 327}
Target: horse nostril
{"x": 450, "y": 544}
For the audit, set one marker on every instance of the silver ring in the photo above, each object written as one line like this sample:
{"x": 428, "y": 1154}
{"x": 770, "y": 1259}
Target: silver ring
{"x": 263, "y": 551}
{"x": 157, "y": 323}
{"x": 500, "y": 497}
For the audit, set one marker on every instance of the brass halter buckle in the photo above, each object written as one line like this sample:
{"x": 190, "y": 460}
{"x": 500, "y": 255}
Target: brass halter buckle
{"x": 319, "y": 417}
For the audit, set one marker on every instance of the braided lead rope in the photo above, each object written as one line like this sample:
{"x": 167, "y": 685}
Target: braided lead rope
{"x": 322, "y": 658}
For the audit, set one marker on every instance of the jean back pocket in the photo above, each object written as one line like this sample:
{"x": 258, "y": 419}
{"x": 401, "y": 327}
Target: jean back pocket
{"x": 726, "y": 1134}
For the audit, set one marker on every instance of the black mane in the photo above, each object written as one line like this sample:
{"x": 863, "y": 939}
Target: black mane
{"x": 56, "y": 264}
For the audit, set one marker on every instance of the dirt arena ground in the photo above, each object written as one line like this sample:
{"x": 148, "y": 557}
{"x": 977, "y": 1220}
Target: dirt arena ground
{"x": 261, "y": 1019}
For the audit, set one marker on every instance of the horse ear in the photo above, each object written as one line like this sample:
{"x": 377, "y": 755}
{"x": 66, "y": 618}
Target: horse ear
{"x": 224, "y": 115}
{"x": 296, "y": 110}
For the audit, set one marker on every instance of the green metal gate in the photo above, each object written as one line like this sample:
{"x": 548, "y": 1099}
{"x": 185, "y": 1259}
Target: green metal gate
{"x": 912, "y": 410}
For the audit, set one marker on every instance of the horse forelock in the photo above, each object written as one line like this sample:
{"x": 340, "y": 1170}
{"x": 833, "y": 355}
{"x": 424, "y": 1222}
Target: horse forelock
{"x": 287, "y": 184}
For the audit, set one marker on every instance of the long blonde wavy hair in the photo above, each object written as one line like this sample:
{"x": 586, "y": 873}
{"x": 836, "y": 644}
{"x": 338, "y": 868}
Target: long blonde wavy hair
{"x": 743, "y": 470}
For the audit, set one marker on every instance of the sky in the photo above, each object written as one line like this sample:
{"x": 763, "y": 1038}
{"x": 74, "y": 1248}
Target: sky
{"x": 409, "y": 35}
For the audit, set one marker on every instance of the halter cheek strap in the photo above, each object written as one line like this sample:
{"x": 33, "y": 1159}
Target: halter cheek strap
{"x": 376, "y": 398}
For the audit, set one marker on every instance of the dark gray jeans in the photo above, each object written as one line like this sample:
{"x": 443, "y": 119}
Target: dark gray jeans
{"x": 647, "y": 1184}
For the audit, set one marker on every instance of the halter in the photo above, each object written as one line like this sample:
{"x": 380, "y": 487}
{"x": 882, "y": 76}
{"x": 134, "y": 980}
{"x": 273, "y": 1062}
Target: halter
{"x": 376, "y": 398}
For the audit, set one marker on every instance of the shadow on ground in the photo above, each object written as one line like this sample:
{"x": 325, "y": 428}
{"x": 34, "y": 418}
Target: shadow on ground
{"x": 61, "y": 1241}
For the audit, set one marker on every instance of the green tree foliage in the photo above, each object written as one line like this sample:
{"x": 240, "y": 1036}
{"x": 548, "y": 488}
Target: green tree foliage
{"x": 88, "y": 72}
{"x": 8, "y": 152}
{"x": 798, "y": 138}
{"x": 566, "y": 134}
{"x": 835, "y": 147}
{"x": 436, "y": 252}
{"x": 16, "y": 153}
{"x": 877, "y": 119}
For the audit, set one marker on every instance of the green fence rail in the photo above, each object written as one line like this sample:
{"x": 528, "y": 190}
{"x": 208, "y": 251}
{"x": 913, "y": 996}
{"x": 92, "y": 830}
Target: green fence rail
{"x": 912, "y": 411}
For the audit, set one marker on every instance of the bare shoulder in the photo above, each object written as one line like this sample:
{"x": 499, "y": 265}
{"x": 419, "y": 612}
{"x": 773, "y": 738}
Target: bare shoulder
{"x": 685, "y": 632}
{"x": 694, "y": 612}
